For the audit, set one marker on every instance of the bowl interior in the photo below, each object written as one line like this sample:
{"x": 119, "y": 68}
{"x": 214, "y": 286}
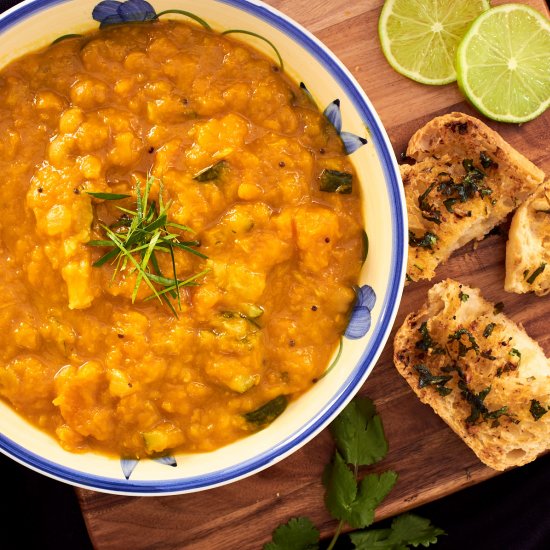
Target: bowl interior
{"x": 37, "y": 23}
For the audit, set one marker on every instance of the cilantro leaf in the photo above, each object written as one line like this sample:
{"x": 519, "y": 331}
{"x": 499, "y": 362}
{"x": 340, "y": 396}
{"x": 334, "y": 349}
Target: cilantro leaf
{"x": 296, "y": 534}
{"x": 359, "y": 433}
{"x": 351, "y": 502}
{"x": 414, "y": 530}
{"x": 341, "y": 488}
{"x": 405, "y": 531}
{"x": 375, "y": 538}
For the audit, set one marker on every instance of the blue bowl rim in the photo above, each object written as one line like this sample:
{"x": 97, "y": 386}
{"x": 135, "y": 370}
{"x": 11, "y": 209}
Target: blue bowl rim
{"x": 380, "y": 331}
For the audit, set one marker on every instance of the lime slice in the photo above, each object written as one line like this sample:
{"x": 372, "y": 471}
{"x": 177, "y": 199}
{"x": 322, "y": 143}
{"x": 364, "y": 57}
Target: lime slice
{"x": 419, "y": 37}
{"x": 503, "y": 63}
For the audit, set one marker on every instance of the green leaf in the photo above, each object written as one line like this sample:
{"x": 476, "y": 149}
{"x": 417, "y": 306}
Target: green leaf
{"x": 352, "y": 503}
{"x": 297, "y": 534}
{"x": 375, "y": 539}
{"x": 414, "y": 530}
{"x": 108, "y": 196}
{"x": 406, "y": 530}
{"x": 373, "y": 489}
{"x": 106, "y": 257}
{"x": 341, "y": 488}
{"x": 359, "y": 433}
{"x": 100, "y": 243}
{"x": 192, "y": 250}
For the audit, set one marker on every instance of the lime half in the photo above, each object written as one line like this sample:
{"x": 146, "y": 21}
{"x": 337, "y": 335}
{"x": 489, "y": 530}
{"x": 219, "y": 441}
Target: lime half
{"x": 420, "y": 37}
{"x": 503, "y": 63}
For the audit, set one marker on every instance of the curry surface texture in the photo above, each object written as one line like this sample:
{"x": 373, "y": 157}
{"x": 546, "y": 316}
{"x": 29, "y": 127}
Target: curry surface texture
{"x": 166, "y": 100}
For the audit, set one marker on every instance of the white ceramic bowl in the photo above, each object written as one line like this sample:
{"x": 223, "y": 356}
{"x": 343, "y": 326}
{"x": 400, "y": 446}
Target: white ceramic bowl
{"x": 36, "y": 23}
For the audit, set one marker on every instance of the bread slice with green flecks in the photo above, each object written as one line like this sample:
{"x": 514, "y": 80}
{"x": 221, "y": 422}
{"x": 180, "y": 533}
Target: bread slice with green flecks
{"x": 480, "y": 372}
{"x": 465, "y": 181}
{"x": 528, "y": 247}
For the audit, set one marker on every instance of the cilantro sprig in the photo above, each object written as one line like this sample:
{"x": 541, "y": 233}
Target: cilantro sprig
{"x": 360, "y": 441}
{"x": 136, "y": 239}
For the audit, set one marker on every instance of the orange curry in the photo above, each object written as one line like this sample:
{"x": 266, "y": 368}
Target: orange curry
{"x": 114, "y": 356}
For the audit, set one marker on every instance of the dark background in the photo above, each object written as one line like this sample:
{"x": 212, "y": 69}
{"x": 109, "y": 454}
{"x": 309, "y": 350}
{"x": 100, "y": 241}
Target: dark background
{"x": 509, "y": 512}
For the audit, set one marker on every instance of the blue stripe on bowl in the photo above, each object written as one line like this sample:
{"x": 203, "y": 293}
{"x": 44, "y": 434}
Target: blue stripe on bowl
{"x": 380, "y": 331}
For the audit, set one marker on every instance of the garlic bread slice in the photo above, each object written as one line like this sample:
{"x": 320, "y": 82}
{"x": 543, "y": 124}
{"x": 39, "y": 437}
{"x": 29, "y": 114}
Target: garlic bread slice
{"x": 478, "y": 370}
{"x": 465, "y": 181}
{"x": 528, "y": 247}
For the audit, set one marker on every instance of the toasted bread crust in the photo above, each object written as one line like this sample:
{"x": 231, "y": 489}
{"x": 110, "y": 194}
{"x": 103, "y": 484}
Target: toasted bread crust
{"x": 480, "y": 372}
{"x": 449, "y": 204}
{"x": 528, "y": 247}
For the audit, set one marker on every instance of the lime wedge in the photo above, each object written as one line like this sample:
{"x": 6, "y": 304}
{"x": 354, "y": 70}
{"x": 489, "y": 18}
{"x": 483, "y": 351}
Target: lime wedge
{"x": 503, "y": 63}
{"x": 419, "y": 37}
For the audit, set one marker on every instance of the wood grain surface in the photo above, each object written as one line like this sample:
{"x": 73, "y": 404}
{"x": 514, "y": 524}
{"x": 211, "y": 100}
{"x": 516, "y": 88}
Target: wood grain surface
{"x": 430, "y": 459}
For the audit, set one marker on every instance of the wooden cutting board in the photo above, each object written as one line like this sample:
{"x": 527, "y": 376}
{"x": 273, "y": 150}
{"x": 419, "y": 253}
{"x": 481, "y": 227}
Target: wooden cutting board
{"x": 430, "y": 459}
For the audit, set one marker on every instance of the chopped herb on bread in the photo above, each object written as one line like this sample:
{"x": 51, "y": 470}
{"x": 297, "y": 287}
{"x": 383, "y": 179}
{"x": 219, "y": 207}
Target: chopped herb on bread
{"x": 465, "y": 181}
{"x": 480, "y": 372}
{"x": 528, "y": 248}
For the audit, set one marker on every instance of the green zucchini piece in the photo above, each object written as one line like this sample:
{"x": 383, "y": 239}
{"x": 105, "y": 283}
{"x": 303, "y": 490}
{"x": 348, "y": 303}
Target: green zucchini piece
{"x": 267, "y": 413}
{"x": 333, "y": 181}
{"x": 243, "y": 382}
{"x": 210, "y": 173}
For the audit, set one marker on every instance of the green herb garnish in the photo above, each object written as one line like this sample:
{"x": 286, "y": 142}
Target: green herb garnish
{"x": 537, "y": 410}
{"x": 449, "y": 204}
{"x": 463, "y": 297}
{"x": 426, "y": 343}
{"x": 297, "y": 534}
{"x": 465, "y": 189}
{"x": 488, "y": 330}
{"x": 138, "y": 237}
{"x": 426, "y": 241}
{"x": 429, "y": 212}
{"x": 536, "y": 273}
{"x": 486, "y": 160}
{"x": 463, "y": 349}
{"x": 360, "y": 441}
{"x": 358, "y": 433}
{"x": 108, "y": 196}
{"x": 426, "y": 378}
{"x": 478, "y": 407}
{"x": 334, "y": 181}
{"x": 405, "y": 531}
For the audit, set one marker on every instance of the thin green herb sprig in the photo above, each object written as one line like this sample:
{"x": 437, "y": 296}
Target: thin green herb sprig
{"x": 138, "y": 236}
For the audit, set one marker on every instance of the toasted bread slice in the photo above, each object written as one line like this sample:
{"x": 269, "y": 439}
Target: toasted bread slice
{"x": 466, "y": 180}
{"x": 528, "y": 248}
{"x": 480, "y": 372}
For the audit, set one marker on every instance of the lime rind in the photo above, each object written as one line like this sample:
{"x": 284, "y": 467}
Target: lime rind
{"x": 485, "y": 57}
{"x": 419, "y": 38}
